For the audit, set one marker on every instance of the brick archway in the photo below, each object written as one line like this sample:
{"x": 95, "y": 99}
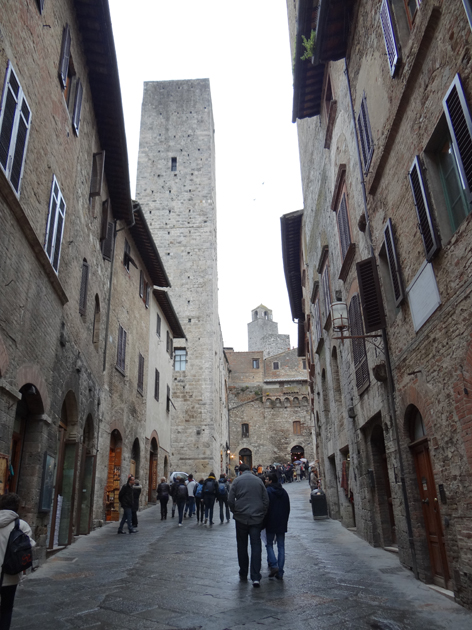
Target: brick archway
{"x": 30, "y": 373}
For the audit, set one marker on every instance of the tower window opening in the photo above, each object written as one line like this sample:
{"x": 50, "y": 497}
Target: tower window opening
{"x": 173, "y": 164}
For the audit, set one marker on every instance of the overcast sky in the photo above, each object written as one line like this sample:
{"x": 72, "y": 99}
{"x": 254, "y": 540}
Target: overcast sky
{"x": 243, "y": 48}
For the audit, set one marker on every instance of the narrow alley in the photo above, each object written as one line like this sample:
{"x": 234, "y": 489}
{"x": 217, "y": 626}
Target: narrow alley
{"x": 167, "y": 577}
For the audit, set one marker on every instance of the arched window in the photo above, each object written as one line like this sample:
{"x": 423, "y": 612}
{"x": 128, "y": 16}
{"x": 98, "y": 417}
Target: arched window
{"x": 286, "y": 402}
{"x": 255, "y": 315}
{"x": 278, "y": 402}
{"x": 296, "y": 402}
{"x": 269, "y": 402}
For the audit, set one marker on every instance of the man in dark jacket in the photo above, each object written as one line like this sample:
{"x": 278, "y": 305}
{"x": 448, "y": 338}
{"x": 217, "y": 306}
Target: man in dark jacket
{"x": 136, "y": 494}
{"x": 248, "y": 501}
{"x": 180, "y": 497}
{"x": 209, "y": 491}
{"x": 126, "y": 500}
{"x": 276, "y": 525}
{"x": 223, "y": 491}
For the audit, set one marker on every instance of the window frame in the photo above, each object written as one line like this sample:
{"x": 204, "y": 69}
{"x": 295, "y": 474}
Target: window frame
{"x": 83, "y": 288}
{"x": 244, "y": 430}
{"x": 140, "y": 382}
{"x": 181, "y": 361}
{"x": 157, "y": 377}
{"x": 390, "y": 39}
{"x": 52, "y": 240}
{"x": 365, "y": 134}
{"x": 98, "y": 170}
{"x": 121, "y": 350}
{"x": 429, "y": 236}
{"x": 274, "y": 364}
{"x": 255, "y": 364}
{"x": 158, "y": 325}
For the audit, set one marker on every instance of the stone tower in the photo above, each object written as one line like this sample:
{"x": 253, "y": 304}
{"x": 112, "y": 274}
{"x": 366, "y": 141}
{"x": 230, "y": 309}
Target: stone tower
{"x": 176, "y": 189}
{"x": 263, "y": 333}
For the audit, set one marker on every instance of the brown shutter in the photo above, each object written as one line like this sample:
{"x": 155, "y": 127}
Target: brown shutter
{"x": 393, "y": 263}
{"x": 79, "y": 91}
{"x": 358, "y": 345}
{"x": 98, "y": 166}
{"x": 65, "y": 55}
{"x": 83, "y": 288}
{"x": 389, "y": 36}
{"x": 365, "y": 134}
{"x": 460, "y": 125}
{"x": 369, "y": 287}
{"x": 425, "y": 222}
{"x": 343, "y": 225}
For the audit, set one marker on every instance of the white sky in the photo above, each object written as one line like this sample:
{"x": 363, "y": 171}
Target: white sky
{"x": 243, "y": 48}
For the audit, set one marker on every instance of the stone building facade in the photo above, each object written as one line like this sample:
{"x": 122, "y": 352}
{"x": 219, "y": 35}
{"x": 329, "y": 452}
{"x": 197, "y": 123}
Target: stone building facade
{"x": 176, "y": 187}
{"x": 263, "y": 333}
{"x": 385, "y": 136}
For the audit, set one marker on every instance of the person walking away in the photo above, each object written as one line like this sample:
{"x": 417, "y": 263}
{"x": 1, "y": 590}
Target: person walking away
{"x": 136, "y": 494}
{"x": 180, "y": 497}
{"x": 163, "y": 493}
{"x": 173, "y": 488}
{"x": 248, "y": 501}
{"x": 191, "y": 487}
{"x": 209, "y": 496}
{"x": 199, "y": 500}
{"x": 276, "y": 526}
{"x": 9, "y": 505}
{"x": 223, "y": 491}
{"x": 126, "y": 501}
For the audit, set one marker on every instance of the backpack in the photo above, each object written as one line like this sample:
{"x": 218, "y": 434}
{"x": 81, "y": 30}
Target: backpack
{"x": 222, "y": 489}
{"x": 181, "y": 492}
{"x": 18, "y": 555}
{"x": 209, "y": 486}
{"x": 198, "y": 491}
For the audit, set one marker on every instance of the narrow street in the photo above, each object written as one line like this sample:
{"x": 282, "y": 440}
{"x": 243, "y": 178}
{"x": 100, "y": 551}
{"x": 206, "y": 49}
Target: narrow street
{"x": 166, "y": 577}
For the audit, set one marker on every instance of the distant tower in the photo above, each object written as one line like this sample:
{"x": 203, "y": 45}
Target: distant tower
{"x": 176, "y": 189}
{"x": 263, "y": 333}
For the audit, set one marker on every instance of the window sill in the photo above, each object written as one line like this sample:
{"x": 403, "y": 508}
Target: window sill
{"x": 120, "y": 370}
{"x": 346, "y": 266}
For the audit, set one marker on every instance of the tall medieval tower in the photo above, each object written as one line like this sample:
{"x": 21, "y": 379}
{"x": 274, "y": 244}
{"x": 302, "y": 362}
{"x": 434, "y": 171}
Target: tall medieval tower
{"x": 176, "y": 189}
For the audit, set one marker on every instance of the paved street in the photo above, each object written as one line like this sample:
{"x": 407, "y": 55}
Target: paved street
{"x": 168, "y": 577}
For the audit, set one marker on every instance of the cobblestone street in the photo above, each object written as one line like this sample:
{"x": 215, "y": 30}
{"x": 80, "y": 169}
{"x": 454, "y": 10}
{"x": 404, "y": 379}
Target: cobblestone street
{"x": 167, "y": 577}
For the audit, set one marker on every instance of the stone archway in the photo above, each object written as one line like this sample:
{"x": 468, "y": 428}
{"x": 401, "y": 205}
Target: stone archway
{"x": 245, "y": 457}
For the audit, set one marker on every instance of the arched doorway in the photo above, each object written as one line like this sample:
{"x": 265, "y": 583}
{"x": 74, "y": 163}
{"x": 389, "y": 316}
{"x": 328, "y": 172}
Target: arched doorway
{"x": 112, "y": 505}
{"x": 64, "y": 492}
{"x": 135, "y": 459}
{"x": 245, "y": 457}
{"x": 419, "y": 448}
{"x": 87, "y": 479}
{"x": 297, "y": 452}
{"x": 382, "y": 488}
{"x": 153, "y": 454}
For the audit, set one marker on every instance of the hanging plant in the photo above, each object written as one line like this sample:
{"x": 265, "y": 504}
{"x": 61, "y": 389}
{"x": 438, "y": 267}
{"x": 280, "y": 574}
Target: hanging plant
{"x": 309, "y": 45}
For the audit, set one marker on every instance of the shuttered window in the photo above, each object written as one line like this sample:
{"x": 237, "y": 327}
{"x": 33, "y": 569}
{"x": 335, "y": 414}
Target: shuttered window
{"x": 40, "y": 5}
{"x": 121, "y": 351}
{"x": 425, "y": 222}
{"x": 343, "y": 226}
{"x": 98, "y": 166}
{"x": 55, "y": 225}
{"x": 326, "y": 290}
{"x": 389, "y": 36}
{"x": 148, "y": 294}
{"x": 140, "y": 373}
{"x": 141, "y": 283}
{"x": 460, "y": 126}
{"x": 79, "y": 91}
{"x": 393, "y": 264}
{"x": 365, "y": 134}
{"x": 168, "y": 399}
{"x": 245, "y": 430}
{"x": 156, "y": 385}
{"x": 83, "y": 288}
{"x": 167, "y": 342}
{"x": 15, "y": 123}
{"x": 369, "y": 288}
{"x": 65, "y": 56}
{"x": 96, "y": 321}
{"x": 106, "y": 232}
{"x": 158, "y": 325}
{"x": 317, "y": 322}
{"x": 358, "y": 345}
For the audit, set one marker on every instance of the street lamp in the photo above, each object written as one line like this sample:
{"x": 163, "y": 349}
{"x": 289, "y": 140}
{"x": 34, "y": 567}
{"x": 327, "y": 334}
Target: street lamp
{"x": 340, "y": 322}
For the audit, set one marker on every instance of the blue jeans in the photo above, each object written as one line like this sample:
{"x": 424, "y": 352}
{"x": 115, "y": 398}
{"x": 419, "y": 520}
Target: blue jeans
{"x": 225, "y": 503}
{"x": 190, "y": 507}
{"x": 253, "y": 533}
{"x": 181, "y": 507}
{"x": 127, "y": 516}
{"x": 280, "y": 560}
{"x": 209, "y": 504}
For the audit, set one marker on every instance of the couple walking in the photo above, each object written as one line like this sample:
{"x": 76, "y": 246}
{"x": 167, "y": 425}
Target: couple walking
{"x": 254, "y": 508}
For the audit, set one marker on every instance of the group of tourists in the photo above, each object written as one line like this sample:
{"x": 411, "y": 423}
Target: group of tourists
{"x": 286, "y": 473}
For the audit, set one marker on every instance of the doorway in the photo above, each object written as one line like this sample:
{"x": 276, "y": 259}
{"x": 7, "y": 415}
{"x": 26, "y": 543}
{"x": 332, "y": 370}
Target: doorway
{"x": 87, "y": 480}
{"x": 153, "y": 451}
{"x": 245, "y": 457}
{"x": 112, "y": 505}
{"x": 297, "y": 452}
{"x": 135, "y": 459}
{"x": 382, "y": 488}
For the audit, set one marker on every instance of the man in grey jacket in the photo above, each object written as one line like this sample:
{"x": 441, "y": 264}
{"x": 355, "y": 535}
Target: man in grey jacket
{"x": 248, "y": 501}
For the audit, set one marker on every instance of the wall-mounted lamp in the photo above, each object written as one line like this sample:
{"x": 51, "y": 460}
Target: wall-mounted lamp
{"x": 340, "y": 322}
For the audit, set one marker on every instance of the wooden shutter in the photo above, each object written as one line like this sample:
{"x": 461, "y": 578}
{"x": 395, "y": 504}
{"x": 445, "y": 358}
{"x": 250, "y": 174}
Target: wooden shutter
{"x": 425, "y": 222}
{"x": 40, "y": 5}
{"x": 141, "y": 283}
{"x": 393, "y": 265}
{"x": 389, "y": 36}
{"x": 140, "y": 373}
{"x": 326, "y": 291}
{"x": 107, "y": 245}
{"x": 65, "y": 56}
{"x": 121, "y": 355}
{"x": 156, "y": 385}
{"x": 460, "y": 126}
{"x": 55, "y": 225}
{"x": 365, "y": 134}
{"x": 83, "y": 288}
{"x": 369, "y": 287}
{"x": 358, "y": 345}
{"x": 104, "y": 223}
{"x": 98, "y": 166}
{"x": 158, "y": 325}
{"x": 148, "y": 294}
{"x": 343, "y": 226}
{"x": 79, "y": 92}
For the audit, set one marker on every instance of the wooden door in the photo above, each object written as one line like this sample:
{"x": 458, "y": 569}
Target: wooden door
{"x": 113, "y": 485}
{"x": 85, "y": 502}
{"x": 431, "y": 513}
{"x": 152, "y": 477}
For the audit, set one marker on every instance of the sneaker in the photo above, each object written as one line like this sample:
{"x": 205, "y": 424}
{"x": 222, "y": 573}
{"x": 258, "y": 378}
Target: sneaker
{"x": 133, "y": 531}
{"x": 243, "y": 578}
{"x": 180, "y": 524}
{"x": 227, "y": 520}
{"x": 256, "y": 583}
{"x": 273, "y": 572}
{"x": 120, "y": 531}
{"x": 206, "y": 521}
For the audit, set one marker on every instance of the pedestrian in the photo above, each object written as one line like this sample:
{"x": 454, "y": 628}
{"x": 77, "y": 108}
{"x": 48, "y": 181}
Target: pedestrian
{"x": 180, "y": 497}
{"x": 209, "y": 496}
{"x": 9, "y": 505}
{"x": 248, "y": 501}
{"x": 163, "y": 493}
{"x": 276, "y": 526}
{"x": 222, "y": 496}
{"x": 173, "y": 487}
{"x": 136, "y": 494}
{"x": 313, "y": 478}
{"x": 191, "y": 487}
{"x": 199, "y": 501}
{"x": 126, "y": 501}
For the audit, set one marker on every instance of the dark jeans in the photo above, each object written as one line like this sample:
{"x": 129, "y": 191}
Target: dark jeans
{"x": 127, "y": 517}
{"x": 209, "y": 504}
{"x": 7, "y": 594}
{"x": 163, "y": 501}
{"x": 253, "y": 533}
{"x": 180, "y": 507}
{"x": 274, "y": 562}
{"x": 190, "y": 507}
{"x": 200, "y": 508}
{"x": 225, "y": 503}
{"x": 134, "y": 518}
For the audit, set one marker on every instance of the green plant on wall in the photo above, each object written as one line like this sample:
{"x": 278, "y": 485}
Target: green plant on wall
{"x": 309, "y": 46}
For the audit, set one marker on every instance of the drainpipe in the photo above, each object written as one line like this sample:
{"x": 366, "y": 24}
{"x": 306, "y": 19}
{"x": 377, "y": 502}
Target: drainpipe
{"x": 390, "y": 382}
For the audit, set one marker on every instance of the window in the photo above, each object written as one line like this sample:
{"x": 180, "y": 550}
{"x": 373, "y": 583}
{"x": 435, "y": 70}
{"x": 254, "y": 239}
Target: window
{"x": 244, "y": 430}
{"x": 255, "y": 364}
{"x": 156, "y": 385}
{"x": 107, "y": 232}
{"x": 147, "y": 289}
{"x": 468, "y": 10}
{"x": 365, "y": 134}
{"x": 71, "y": 84}
{"x": 98, "y": 166}
{"x": 358, "y": 345}
{"x": 326, "y": 292}
{"x": 304, "y": 364}
{"x": 425, "y": 223}
{"x": 127, "y": 255}
{"x": 386, "y": 22}
{"x": 393, "y": 265}
{"x": 411, "y": 7}
{"x": 173, "y": 164}
{"x": 346, "y": 244}
{"x": 180, "y": 359}
{"x": 15, "y": 123}
{"x": 40, "y": 5}
{"x": 297, "y": 427}
{"x": 96, "y": 321}
{"x": 168, "y": 399}
{"x": 121, "y": 350}
{"x": 158, "y": 325}
{"x": 55, "y": 225}
{"x": 317, "y": 329}
{"x": 275, "y": 365}
{"x": 140, "y": 373}
{"x": 369, "y": 288}
{"x": 330, "y": 109}
{"x": 83, "y": 288}
{"x": 141, "y": 283}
